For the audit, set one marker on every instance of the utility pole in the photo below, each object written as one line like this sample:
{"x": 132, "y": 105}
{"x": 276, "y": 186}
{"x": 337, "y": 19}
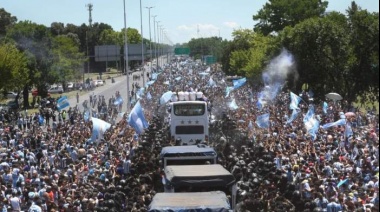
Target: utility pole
{"x": 142, "y": 44}
{"x": 155, "y": 40}
{"x": 126, "y": 59}
{"x": 89, "y": 6}
{"x": 150, "y": 36}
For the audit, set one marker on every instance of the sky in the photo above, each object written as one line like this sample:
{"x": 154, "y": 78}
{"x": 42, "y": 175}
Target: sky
{"x": 179, "y": 19}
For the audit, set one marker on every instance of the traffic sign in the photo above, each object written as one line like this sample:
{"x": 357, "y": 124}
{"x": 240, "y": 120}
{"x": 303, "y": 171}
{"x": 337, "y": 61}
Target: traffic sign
{"x": 182, "y": 51}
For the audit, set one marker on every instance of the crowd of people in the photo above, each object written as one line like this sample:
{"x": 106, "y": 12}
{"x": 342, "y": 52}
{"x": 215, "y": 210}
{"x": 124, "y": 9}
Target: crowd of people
{"x": 280, "y": 168}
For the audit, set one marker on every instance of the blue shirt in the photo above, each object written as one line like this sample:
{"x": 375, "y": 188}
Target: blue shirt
{"x": 334, "y": 207}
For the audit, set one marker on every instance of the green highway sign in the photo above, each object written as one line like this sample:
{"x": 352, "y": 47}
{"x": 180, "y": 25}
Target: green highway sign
{"x": 181, "y": 51}
{"x": 209, "y": 59}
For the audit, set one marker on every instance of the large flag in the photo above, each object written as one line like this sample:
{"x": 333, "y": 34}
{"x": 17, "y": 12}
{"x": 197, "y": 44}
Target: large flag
{"x": 99, "y": 127}
{"x": 293, "y": 116}
{"x": 240, "y": 82}
{"x": 62, "y": 103}
{"x": 294, "y": 101}
{"x": 333, "y": 124}
{"x": 228, "y": 91}
{"x": 137, "y": 119}
{"x": 118, "y": 101}
{"x": 166, "y": 97}
{"x": 263, "y": 121}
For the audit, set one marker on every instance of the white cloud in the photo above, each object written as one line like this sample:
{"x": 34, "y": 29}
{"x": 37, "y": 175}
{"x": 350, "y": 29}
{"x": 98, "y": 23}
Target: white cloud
{"x": 231, "y": 24}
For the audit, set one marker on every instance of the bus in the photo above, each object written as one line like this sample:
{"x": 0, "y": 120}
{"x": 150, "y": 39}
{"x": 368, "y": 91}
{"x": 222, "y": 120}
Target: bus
{"x": 200, "y": 178}
{"x": 189, "y": 122}
{"x": 214, "y": 201}
{"x": 187, "y": 155}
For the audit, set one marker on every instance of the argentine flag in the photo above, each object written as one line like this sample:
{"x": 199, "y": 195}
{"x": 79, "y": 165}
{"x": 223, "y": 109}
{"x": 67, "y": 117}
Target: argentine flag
{"x": 137, "y": 119}
{"x": 62, "y": 103}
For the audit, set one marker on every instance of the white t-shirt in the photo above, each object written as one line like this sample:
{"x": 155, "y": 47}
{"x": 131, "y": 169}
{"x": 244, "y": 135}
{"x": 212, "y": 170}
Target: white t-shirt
{"x": 15, "y": 203}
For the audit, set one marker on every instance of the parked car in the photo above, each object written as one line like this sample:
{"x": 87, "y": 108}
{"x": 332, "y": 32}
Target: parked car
{"x": 99, "y": 83}
{"x": 58, "y": 89}
{"x": 70, "y": 86}
{"x": 10, "y": 95}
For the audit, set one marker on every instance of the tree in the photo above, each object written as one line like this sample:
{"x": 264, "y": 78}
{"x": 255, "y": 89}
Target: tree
{"x": 6, "y": 21}
{"x": 323, "y": 54}
{"x": 67, "y": 59}
{"x": 13, "y": 68}
{"x": 277, "y": 14}
{"x": 57, "y": 28}
{"x": 364, "y": 41}
{"x": 35, "y": 41}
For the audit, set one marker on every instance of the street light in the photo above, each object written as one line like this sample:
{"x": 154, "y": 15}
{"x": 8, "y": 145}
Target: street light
{"x": 150, "y": 35}
{"x": 154, "y": 28}
{"x": 126, "y": 55}
{"x": 142, "y": 44}
{"x": 157, "y": 43}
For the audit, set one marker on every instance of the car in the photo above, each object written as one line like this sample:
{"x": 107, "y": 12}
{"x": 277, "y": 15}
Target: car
{"x": 35, "y": 93}
{"x": 10, "y": 95}
{"x": 57, "y": 89}
{"x": 70, "y": 86}
{"x": 99, "y": 83}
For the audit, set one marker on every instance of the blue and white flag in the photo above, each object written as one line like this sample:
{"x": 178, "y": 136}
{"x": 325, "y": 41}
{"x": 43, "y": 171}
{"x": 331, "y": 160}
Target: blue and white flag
{"x": 294, "y": 101}
{"x": 149, "y": 83}
{"x": 263, "y": 121}
{"x": 312, "y": 126}
{"x": 240, "y": 82}
{"x": 340, "y": 122}
{"x": 166, "y": 97}
{"x": 154, "y": 76}
{"x": 140, "y": 93}
{"x": 310, "y": 113}
{"x": 137, "y": 119}
{"x": 118, "y": 101}
{"x": 293, "y": 116}
{"x": 149, "y": 96}
{"x": 233, "y": 105}
{"x": 325, "y": 107}
{"x": 99, "y": 127}
{"x": 211, "y": 82}
{"x": 86, "y": 115}
{"x": 228, "y": 91}
{"x": 62, "y": 103}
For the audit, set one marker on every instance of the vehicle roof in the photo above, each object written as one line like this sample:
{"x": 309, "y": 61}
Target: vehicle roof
{"x": 175, "y": 150}
{"x": 215, "y": 201}
{"x": 214, "y": 175}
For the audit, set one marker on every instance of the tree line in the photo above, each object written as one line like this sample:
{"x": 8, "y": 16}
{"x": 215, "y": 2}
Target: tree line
{"x": 34, "y": 55}
{"x": 334, "y": 52}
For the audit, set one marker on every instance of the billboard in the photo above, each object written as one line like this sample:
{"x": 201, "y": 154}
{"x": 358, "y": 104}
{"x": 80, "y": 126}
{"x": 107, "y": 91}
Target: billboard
{"x": 107, "y": 53}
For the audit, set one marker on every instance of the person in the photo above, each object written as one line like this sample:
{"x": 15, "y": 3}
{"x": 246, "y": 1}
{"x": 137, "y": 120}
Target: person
{"x": 15, "y": 201}
{"x": 77, "y": 97}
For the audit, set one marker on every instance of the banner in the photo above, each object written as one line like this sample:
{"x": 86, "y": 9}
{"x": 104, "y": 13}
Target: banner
{"x": 137, "y": 119}
{"x": 238, "y": 83}
{"x": 62, "y": 103}
{"x": 294, "y": 101}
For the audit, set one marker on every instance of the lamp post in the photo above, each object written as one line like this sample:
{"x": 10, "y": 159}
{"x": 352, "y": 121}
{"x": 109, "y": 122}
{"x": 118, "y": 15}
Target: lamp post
{"x": 126, "y": 66}
{"x": 150, "y": 34}
{"x": 157, "y": 44}
{"x": 142, "y": 44}
{"x": 154, "y": 29}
